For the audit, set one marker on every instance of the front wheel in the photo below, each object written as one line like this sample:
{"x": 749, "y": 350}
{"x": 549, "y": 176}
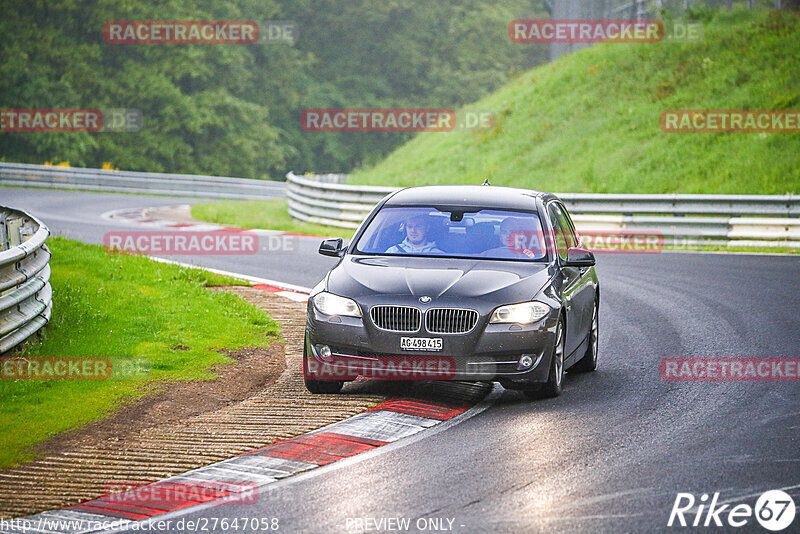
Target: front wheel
{"x": 323, "y": 386}
{"x": 552, "y": 388}
{"x": 318, "y": 386}
{"x": 589, "y": 360}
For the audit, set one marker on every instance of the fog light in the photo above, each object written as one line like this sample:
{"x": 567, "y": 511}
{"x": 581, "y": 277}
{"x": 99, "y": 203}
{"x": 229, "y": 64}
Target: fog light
{"x": 525, "y": 362}
{"x": 324, "y": 352}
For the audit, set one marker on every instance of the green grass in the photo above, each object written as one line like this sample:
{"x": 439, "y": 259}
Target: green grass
{"x": 269, "y": 214}
{"x": 589, "y": 122}
{"x": 124, "y": 307}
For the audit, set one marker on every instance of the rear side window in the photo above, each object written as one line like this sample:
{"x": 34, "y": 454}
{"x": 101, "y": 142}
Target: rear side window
{"x": 565, "y": 236}
{"x": 566, "y": 223}
{"x": 559, "y": 235}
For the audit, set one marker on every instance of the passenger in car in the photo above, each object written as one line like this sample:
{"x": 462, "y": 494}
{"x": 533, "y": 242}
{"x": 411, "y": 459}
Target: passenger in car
{"x": 416, "y": 241}
{"x": 518, "y": 237}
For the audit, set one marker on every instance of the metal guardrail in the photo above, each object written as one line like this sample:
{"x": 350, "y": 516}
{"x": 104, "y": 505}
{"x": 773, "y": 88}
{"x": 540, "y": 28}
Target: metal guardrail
{"x": 26, "y": 298}
{"x": 190, "y": 185}
{"x": 761, "y": 220}
{"x": 758, "y": 220}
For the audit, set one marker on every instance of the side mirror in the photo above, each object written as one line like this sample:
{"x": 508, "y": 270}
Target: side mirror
{"x": 579, "y": 257}
{"x": 332, "y": 247}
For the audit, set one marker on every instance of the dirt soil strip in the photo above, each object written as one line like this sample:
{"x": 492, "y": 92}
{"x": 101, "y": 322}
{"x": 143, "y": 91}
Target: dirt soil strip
{"x": 160, "y": 437}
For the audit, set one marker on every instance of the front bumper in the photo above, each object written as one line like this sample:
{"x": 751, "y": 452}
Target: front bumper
{"x": 488, "y": 352}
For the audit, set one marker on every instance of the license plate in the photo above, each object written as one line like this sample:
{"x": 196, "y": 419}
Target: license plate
{"x": 421, "y": 343}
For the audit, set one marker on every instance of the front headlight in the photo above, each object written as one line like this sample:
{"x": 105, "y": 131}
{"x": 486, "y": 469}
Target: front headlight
{"x": 331, "y": 304}
{"x": 524, "y": 313}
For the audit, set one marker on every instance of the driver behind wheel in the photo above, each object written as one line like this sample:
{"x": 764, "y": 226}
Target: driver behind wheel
{"x": 416, "y": 241}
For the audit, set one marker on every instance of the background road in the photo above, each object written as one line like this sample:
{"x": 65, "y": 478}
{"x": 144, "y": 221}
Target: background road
{"x": 611, "y": 453}
{"x": 77, "y": 215}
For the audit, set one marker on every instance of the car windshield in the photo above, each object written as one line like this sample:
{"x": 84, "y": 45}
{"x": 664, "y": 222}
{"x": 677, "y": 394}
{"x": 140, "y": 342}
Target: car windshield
{"x": 475, "y": 233}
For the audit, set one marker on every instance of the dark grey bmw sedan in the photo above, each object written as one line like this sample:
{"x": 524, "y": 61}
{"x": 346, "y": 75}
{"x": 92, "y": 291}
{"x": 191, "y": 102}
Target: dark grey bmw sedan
{"x": 456, "y": 282}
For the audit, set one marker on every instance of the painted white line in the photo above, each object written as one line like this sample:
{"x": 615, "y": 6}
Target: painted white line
{"x": 248, "y": 278}
{"x": 299, "y": 297}
{"x": 266, "y": 232}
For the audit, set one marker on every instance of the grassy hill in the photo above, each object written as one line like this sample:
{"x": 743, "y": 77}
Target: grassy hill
{"x": 589, "y": 122}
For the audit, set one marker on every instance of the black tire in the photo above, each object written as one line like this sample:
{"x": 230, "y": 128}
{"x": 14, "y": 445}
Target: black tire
{"x": 555, "y": 378}
{"x": 589, "y": 360}
{"x": 324, "y": 387}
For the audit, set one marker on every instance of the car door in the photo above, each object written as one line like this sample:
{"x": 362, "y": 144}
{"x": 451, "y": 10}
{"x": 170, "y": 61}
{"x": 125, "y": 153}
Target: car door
{"x": 582, "y": 295}
{"x": 570, "y": 280}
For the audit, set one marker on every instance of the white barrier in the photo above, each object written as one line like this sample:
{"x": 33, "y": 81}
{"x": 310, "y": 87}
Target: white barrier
{"x": 26, "y": 298}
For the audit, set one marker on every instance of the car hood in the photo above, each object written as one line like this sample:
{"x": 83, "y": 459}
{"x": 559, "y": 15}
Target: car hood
{"x": 506, "y": 281}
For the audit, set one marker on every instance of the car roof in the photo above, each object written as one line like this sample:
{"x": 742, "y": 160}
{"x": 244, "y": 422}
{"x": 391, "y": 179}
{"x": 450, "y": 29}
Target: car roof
{"x": 479, "y": 196}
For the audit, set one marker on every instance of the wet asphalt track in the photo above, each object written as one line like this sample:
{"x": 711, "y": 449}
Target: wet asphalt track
{"x": 609, "y": 455}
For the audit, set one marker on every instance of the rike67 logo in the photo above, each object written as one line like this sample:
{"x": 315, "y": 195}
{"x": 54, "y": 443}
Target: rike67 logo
{"x": 774, "y": 510}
